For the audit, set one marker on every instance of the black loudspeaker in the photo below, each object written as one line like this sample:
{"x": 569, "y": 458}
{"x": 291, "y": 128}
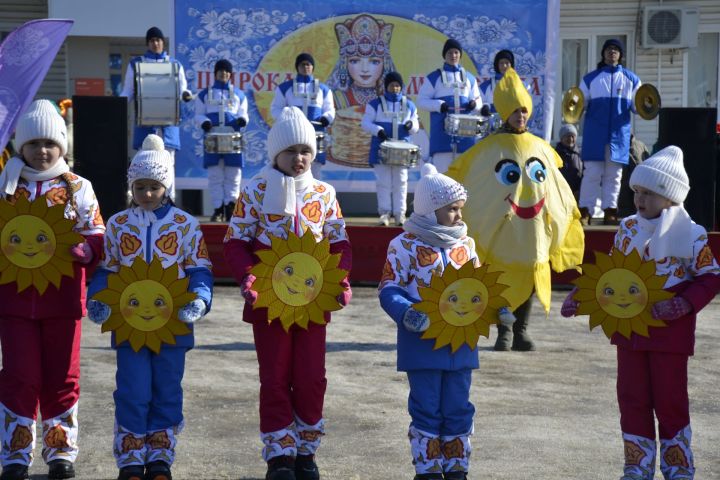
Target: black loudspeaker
{"x": 100, "y": 148}
{"x": 693, "y": 130}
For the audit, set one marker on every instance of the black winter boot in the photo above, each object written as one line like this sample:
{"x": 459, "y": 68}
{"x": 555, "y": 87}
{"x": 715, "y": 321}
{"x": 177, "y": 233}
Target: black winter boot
{"x": 502, "y": 344}
{"x": 429, "y": 476}
{"x": 281, "y": 468}
{"x": 306, "y": 468}
{"x": 60, "y": 469}
{"x": 455, "y": 476}
{"x": 521, "y": 340}
{"x": 132, "y": 472}
{"x": 217, "y": 215}
{"x": 14, "y": 471}
{"x": 229, "y": 209}
{"x": 158, "y": 470}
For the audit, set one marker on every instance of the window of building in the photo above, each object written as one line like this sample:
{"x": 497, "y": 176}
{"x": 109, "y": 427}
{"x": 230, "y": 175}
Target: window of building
{"x": 702, "y": 72}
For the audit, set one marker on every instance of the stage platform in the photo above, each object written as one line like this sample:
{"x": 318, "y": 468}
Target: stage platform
{"x": 369, "y": 244}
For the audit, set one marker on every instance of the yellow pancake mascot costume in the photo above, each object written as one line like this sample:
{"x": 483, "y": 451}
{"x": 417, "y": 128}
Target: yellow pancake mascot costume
{"x": 520, "y": 210}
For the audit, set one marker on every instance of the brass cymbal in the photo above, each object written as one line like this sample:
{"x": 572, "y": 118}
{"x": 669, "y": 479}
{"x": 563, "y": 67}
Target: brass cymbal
{"x": 573, "y": 104}
{"x": 647, "y": 101}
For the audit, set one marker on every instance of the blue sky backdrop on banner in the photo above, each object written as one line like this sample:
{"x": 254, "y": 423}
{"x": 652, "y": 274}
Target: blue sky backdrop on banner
{"x": 262, "y": 38}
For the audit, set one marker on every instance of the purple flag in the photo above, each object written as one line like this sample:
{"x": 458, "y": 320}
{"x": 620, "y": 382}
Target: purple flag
{"x": 25, "y": 57}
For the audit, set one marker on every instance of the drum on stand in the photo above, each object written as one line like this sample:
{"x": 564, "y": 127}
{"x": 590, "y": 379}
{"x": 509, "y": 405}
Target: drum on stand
{"x": 157, "y": 94}
{"x": 464, "y": 125}
{"x": 394, "y": 152}
{"x": 223, "y": 140}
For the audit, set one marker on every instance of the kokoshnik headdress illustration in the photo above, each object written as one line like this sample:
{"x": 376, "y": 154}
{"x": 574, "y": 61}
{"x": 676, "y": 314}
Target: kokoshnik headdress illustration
{"x": 362, "y": 36}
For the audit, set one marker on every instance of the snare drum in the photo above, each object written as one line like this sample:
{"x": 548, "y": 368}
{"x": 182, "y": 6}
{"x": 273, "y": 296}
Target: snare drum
{"x": 157, "y": 94}
{"x": 321, "y": 142}
{"x": 404, "y": 154}
{"x": 223, "y": 141}
{"x": 463, "y": 125}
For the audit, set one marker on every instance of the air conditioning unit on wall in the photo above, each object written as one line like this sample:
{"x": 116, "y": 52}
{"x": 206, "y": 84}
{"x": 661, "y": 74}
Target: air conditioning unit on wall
{"x": 669, "y": 26}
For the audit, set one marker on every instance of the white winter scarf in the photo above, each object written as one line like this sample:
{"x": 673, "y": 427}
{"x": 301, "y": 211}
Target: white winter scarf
{"x": 16, "y": 168}
{"x": 669, "y": 235}
{"x": 281, "y": 190}
{"x": 429, "y": 231}
{"x": 141, "y": 217}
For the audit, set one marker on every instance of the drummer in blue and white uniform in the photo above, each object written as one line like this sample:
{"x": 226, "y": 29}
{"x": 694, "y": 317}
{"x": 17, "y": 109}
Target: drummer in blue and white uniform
{"x": 315, "y": 99}
{"x": 224, "y": 169}
{"x": 391, "y": 117}
{"x": 155, "y": 41}
{"x": 447, "y": 90}
{"x": 504, "y": 59}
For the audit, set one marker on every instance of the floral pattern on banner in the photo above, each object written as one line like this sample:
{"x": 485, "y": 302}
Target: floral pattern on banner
{"x": 676, "y": 456}
{"x": 280, "y": 442}
{"x": 160, "y": 445}
{"x": 308, "y": 436}
{"x": 426, "y": 451}
{"x": 411, "y": 262}
{"x": 17, "y": 435}
{"x": 317, "y": 214}
{"x": 87, "y": 217}
{"x": 678, "y": 269}
{"x": 456, "y": 452}
{"x": 128, "y": 447}
{"x": 60, "y": 436}
{"x": 170, "y": 240}
{"x": 639, "y": 457}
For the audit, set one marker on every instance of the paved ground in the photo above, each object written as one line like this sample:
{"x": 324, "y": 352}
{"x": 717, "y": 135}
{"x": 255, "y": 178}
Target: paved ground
{"x": 545, "y": 415}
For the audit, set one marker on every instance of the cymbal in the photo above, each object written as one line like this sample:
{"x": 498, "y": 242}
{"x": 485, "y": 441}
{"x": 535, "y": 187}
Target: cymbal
{"x": 573, "y": 103}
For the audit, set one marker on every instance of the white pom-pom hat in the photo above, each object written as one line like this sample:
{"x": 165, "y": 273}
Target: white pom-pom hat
{"x": 664, "y": 174}
{"x": 435, "y": 190}
{"x": 41, "y": 121}
{"x": 291, "y": 128}
{"x": 152, "y": 162}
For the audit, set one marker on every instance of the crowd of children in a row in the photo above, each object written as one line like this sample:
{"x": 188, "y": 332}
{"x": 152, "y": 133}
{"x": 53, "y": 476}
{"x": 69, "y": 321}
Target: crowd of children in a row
{"x": 40, "y": 334}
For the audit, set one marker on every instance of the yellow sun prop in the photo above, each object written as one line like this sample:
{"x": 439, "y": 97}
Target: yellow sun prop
{"x": 461, "y": 304}
{"x": 35, "y": 241}
{"x": 618, "y": 292}
{"x": 298, "y": 280}
{"x": 145, "y": 300}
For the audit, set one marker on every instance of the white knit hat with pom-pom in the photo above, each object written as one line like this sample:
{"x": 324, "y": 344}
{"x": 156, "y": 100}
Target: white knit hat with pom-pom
{"x": 152, "y": 162}
{"x": 435, "y": 190}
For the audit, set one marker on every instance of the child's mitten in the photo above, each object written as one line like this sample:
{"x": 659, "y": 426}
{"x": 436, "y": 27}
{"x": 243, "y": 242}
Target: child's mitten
{"x": 248, "y": 294}
{"x": 671, "y": 309}
{"x": 415, "y": 321}
{"x": 193, "y": 311}
{"x": 98, "y": 312}
{"x": 570, "y": 305}
{"x": 82, "y": 252}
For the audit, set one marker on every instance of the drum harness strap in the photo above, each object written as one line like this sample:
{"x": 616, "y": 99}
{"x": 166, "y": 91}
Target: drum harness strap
{"x": 306, "y": 95}
{"x": 448, "y": 80}
{"x": 394, "y": 115}
{"x": 221, "y": 102}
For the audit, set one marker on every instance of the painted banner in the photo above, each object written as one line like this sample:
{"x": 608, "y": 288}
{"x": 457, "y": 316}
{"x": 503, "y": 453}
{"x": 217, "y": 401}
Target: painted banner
{"x": 262, "y": 39}
{"x": 25, "y": 57}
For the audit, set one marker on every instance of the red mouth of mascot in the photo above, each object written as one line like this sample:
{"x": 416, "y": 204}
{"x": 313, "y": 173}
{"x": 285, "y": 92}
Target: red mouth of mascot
{"x": 526, "y": 212}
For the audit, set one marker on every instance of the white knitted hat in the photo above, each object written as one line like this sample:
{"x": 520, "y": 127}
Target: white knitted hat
{"x": 41, "y": 120}
{"x": 152, "y": 161}
{"x": 435, "y": 190}
{"x": 291, "y": 128}
{"x": 664, "y": 174}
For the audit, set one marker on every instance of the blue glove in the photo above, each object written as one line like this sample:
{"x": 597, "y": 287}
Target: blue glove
{"x": 98, "y": 312}
{"x": 505, "y": 316}
{"x": 193, "y": 311}
{"x": 415, "y": 321}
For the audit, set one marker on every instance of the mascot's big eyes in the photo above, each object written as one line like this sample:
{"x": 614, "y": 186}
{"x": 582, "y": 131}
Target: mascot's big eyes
{"x": 536, "y": 170}
{"x": 507, "y": 172}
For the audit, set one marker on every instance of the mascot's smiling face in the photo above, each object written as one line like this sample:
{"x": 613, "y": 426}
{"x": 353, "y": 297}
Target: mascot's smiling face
{"x": 526, "y": 177}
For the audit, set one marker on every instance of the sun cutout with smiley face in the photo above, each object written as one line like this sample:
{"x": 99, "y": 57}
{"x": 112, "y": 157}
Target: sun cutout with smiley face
{"x": 462, "y": 304}
{"x": 618, "y": 292}
{"x": 35, "y": 241}
{"x": 297, "y": 280}
{"x": 144, "y": 301}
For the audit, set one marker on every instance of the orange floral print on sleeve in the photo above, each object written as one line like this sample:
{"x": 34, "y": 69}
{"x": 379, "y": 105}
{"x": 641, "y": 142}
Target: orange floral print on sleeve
{"x": 179, "y": 218}
{"x": 168, "y": 243}
{"x": 388, "y": 274}
{"x": 121, "y": 219}
{"x": 97, "y": 218}
{"x": 320, "y": 188}
{"x": 704, "y": 258}
{"x": 312, "y": 211}
{"x": 202, "y": 249}
{"x": 129, "y": 244}
{"x": 57, "y": 196}
{"x": 338, "y": 210}
{"x": 271, "y": 217}
{"x": 459, "y": 255}
{"x": 625, "y": 244}
{"x": 426, "y": 256}
{"x": 239, "y": 209}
